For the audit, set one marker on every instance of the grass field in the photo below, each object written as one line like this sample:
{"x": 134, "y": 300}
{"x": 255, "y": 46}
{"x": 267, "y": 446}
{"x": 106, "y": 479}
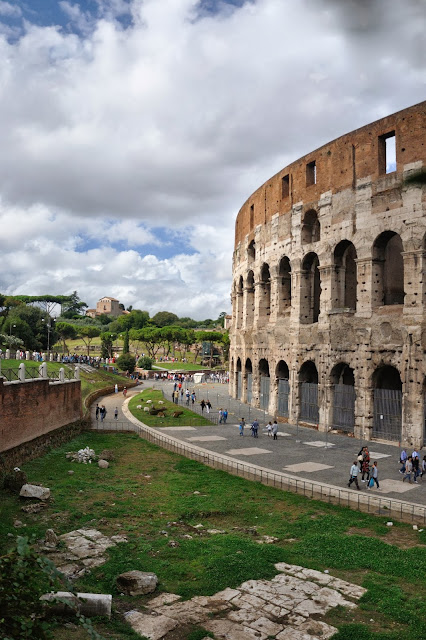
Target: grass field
{"x": 148, "y": 492}
{"x": 186, "y": 416}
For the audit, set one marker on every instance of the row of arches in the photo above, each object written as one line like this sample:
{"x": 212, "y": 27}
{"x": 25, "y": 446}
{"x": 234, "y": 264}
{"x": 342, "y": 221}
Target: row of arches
{"x": 274, "y": 394}
{"x": 387, "y": 282}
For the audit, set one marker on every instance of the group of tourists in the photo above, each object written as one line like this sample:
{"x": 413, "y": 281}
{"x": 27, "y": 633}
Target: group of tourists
{"x": 101, "y": 412}
{"x": 362, "y": 466}
{"x": 412, "y": 467}
{"x": 271, "y": 428}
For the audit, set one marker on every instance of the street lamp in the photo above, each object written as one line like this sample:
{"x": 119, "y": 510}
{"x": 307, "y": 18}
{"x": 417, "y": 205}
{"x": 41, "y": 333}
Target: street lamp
{"x": 10, "y": 334}
{"x": 49, "y": 327}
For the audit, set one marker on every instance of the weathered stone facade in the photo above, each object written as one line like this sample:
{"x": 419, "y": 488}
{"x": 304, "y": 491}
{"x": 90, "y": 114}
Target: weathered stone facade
{"x": 329, "y": 288}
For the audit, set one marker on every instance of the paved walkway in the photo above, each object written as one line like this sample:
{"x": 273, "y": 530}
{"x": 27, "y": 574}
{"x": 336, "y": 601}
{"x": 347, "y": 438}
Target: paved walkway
{"x": 300, "y": 451}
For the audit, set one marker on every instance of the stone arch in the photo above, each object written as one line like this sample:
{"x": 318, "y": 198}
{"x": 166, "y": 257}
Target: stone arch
{"x": 344, "y": 285}
{"x": 388, "y": 270}
{"x": 265, "y": 292}
{"x": 343, "y": 390}
{"x": 251, "y": 251}
{"x": 387, "y": 403}
{"x": 284, "y": 284}
{"x": 308, "y": 392}
{"x": 282, "y": 375}
{"x": 249, "y": 302}
{"x": 311, "y": 229}
{"x": 249, "y": 380}
{"x": 265, "y": 380}
{"x": 310, "y": 289}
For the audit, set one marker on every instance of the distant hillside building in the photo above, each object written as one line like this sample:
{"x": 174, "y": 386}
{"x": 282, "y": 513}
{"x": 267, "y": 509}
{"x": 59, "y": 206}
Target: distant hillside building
{"x": 106, "y": 306}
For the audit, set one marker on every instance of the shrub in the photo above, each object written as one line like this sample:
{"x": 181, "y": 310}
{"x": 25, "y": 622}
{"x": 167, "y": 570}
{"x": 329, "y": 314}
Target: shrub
{"x": 126, "y": 362}
{"x": 145, "y": 363}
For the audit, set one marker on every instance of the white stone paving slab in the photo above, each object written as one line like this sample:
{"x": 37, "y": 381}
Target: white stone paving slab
{"x": 393, "y": 486}
{"x": 320, "y": 443}
{"x": 205, "y": 438}
{"x": 375, "y": 455}
{"x": 252, "y": 451}
{"x": 309, "y": 467}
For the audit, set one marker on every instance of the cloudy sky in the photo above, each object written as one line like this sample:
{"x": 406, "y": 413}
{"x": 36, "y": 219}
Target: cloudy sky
{"x": 133, "y": 130}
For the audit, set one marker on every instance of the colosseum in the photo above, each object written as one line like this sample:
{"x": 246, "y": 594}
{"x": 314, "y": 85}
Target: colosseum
{"x": 329, "y": 286}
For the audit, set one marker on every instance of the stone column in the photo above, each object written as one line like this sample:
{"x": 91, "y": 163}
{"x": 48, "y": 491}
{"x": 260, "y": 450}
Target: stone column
{"x": 7, "y": 354}
{"x": 61, "y": 374}
{"x": 326, "y": 272}
{"x": 77, "y": 373}
{"x": 273, "y": 395}
{"x": 293, "y": 400}
{"x": 27, "y": 355}
{"x": 42, "y": 370}
{"x": 364, "y": 287}
{"x": 326, "y": 406}
{"x": 413, "y": 269}
{"x": 275, "y": 302}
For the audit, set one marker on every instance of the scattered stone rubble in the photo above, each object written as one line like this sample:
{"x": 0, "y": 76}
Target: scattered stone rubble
{"x": 84, "y": 456}
{"x": 34, "y": 491}
{"x": 284, "y": 608}
{"x": 85, "y": 549}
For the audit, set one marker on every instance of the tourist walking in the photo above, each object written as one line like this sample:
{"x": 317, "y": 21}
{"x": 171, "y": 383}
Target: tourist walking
{"x": 365, "y": 465}
{"x": 403, "y": 459}
{"x": 102, "y": 412}
{"x": 242, "y": 425}
{"x": 374, "y": 476}
{"x": 269, "y": 428}
{"x": 353, "y": 474}
{"x": 202, "y": 405}
{"x": 220, "y": 416}
{"x": 116, "y": 413}
{"x": 255, "y": 428}
{"x": 125, "y": 391}
{"x": 97, "y": 412}
{"x": 208, "y": 405}
{"x": 408, "y": 470}
{"x": 225, "y": 416}
{"x": 275, "y": 430}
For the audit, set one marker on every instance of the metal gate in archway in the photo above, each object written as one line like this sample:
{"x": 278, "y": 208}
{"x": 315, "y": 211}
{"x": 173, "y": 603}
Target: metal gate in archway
{"x": 249, "y": 387}
{"x": 387, "y": 421}
{"x": 309, "y": 410}
{"x": 264, "y": 392}
{"x": 239, "y": 386}
{"x": 283, "y": 394}
{"x": 344, "y": 407}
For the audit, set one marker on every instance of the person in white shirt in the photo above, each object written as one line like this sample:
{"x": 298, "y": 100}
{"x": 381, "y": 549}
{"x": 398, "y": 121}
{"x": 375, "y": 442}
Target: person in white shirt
{"x": 353, "y": 477}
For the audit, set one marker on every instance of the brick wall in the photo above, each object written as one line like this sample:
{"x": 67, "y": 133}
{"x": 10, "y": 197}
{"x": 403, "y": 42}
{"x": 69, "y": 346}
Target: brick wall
{"x": 34, "y": 408}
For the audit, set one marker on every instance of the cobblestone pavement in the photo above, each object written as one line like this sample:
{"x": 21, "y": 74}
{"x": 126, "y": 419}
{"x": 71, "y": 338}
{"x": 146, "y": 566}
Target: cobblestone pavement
{"x": 301, "y": 451}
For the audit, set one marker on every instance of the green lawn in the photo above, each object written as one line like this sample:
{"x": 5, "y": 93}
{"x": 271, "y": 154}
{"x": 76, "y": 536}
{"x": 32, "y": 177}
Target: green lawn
{"x": 186, "y": 417}
{"x": 148, "y": 491}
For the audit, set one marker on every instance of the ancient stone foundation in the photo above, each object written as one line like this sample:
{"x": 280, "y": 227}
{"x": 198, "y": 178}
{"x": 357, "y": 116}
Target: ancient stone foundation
{"x": 328, "y": 297}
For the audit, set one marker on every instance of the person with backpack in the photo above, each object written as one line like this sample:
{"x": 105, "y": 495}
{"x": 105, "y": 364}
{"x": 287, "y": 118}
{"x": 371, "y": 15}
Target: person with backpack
{"x": 241, "y": 427}
{"x": 254, "y": 428}
{"x": 408, "y": 469}
{"x": 225, "y": 416}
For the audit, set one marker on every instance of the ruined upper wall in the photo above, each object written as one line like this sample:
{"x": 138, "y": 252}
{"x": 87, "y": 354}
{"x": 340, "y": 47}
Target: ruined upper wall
{"x": 338, "y": 165}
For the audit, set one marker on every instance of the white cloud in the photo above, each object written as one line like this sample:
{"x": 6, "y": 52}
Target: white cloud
{"x": 173, "y": 122}
{"x": 9, "y": 10}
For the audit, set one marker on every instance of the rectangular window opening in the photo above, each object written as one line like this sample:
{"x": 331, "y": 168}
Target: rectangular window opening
{"x": 311, "y": 173}
{"x": 285, "y": 186}
{"x": 252, "y": 216}
{"x": 387, "y": 153}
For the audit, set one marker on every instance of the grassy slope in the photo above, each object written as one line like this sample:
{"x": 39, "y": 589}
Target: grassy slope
{"x": 150, "y": 495}
{"x": 186, "y": 416}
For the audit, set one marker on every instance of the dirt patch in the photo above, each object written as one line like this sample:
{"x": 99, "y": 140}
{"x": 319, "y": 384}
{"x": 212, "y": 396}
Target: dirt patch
{"x": 396, "y": 536}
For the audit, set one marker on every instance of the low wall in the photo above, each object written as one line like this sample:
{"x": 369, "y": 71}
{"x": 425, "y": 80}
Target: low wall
{"x": 34, "y": 408}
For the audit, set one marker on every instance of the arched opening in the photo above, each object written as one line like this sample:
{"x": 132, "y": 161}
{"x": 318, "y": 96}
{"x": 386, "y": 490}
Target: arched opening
{"x": 249, "y": 380}
{"x": 387, "y": 394}
{"x": 311, "y": 230}
{"x": 283, "y": 378}
{"x": 250, "y": 299}
{"x": 264, "y": 384}
{"x": 310, "y": 289}
{"x": 238, "y": 378}
{"x": 265, "y": 293}
{"x": 342, "y": 377}
{"x": 284, "y": 284}
{"x": 239, "y": 311}
{"x": 251, "y": 251}
{"x": 308, "y": 382}
{"x": 388, "y": 270}
{"x": 345, "y": 276}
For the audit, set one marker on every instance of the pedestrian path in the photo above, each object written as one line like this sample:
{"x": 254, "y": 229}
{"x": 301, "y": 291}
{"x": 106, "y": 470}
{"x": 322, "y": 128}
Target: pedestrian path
{"x": 299, "y": 452}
